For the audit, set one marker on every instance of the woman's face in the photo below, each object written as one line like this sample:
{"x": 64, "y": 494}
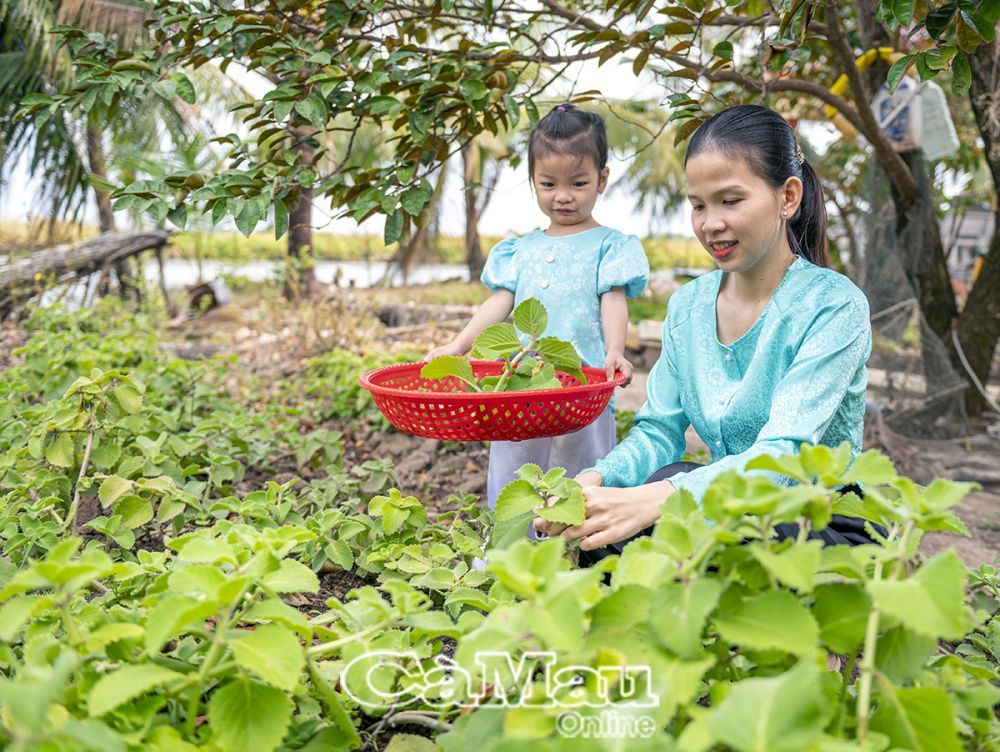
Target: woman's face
{"x": 735, "y": 214}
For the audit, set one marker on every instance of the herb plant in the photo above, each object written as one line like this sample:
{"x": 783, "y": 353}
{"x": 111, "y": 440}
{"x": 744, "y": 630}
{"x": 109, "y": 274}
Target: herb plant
{"x": 530, "y": 365}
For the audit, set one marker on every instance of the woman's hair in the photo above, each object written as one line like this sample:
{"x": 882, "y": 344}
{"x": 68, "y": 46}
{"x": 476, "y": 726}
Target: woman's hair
{"x": 765, "y": 141}
{"x": 571, "y": 131}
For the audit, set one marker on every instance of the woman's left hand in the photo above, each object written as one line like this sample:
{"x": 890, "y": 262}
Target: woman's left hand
{"x": 613, "y": 514}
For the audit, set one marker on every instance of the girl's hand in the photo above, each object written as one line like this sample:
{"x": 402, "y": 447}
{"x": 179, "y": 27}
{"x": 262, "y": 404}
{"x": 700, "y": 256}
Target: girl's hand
{"x": 616, "y": 362}
{"x": 451, "y": 348}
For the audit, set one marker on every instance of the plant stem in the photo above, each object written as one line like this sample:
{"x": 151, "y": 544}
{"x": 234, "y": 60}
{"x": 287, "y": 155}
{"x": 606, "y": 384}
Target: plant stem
{"x": 510, "y": 366}
{"x": 419, "y": 719}
{"x": 871, "y": 638}
{"x": 326, "y": 647}
{"x": 91, "y": 430}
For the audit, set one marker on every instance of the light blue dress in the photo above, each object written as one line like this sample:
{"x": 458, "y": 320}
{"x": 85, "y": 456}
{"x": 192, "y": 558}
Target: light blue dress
{"x": 568, "y": 274}
{"x": 797, "y": 375}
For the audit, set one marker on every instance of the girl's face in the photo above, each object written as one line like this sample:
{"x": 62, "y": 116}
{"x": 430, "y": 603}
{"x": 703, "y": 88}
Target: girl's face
{"x": 567, "y": 187}
{"x": 735, "y": 214}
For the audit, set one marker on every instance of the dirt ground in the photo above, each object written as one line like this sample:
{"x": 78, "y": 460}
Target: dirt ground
{"x": 272, "y": 340}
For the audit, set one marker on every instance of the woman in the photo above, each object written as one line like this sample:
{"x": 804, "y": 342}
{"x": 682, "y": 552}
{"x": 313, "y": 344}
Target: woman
{"x": 761, "y": 355}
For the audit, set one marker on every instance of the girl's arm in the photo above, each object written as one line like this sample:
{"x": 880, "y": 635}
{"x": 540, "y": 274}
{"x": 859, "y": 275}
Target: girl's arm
{"x": 496, "y": 308}
{"x": 614, "y": 323}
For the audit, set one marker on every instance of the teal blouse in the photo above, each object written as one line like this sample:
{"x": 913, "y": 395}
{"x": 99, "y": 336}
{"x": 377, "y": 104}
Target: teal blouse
{"x": 569, "y": 274}
{"x": 797, "y": 375}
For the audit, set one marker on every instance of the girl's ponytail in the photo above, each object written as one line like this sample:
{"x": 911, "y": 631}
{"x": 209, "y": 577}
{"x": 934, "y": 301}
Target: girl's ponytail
{"x": 807, "y": 227}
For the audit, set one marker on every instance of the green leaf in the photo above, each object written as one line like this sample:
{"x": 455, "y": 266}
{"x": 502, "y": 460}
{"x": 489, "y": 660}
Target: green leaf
{"x": 134, "y": 511}
{"x": 902, "y": 11}
{"x": 184, "y": 88}
{"x": 896, "y": 73}
{"x": 785, "y": 713}
{"x": 340, "y": 554}
{"x": 961, "y": 75}
{"x": 871, "y": 468}
{"x": 60, "y": 451}
{"x": 562, "y": 355}
{"x": 723, "y": 50}
{"x": 17, "y": 612}
{"x": 570, "y": 510}
{"x": 113, "y": 488}
{"x": 280, "y": 218}
{"x": 273, "y": 653}
{"x": 415, "y": 199}
{"x": 771, "y": 621}
{"x": 393, "y": 227}
{"x": 932, "y": 601}
{"x": 292, "y": 577}
{"x": 842, "y": 610}
{"x": 531, "y": 317}
{"x": 248, "y": 217}
{"x": 248, "y": 715}
{"x": 516, "y": 498}
{"x": 449, "y": 365}
{"x": 678, "y": 613}
{"x": 120, "y": 686}
{"x": 496, "y": 341}
{"x": 920, "y": 719}
{"x": 901, "y": 653}
{"x": 795, "y": 566}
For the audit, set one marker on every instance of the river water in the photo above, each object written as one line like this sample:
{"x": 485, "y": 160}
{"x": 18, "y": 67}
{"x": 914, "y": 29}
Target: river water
{"x": 181, "y": 273}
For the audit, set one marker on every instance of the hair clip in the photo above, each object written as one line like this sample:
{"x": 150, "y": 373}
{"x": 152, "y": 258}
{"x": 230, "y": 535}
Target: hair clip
{"x": 799, "y": 155}
{"x": 561, "y": 108}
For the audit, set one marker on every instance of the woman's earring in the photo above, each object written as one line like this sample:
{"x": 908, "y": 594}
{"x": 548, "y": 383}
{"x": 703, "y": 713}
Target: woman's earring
{"x": 784, "y": 214}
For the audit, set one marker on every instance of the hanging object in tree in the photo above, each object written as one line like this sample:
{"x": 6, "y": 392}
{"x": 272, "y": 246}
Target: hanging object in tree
{"x": 900, "y": 115}
{"x": 939, "y": 137}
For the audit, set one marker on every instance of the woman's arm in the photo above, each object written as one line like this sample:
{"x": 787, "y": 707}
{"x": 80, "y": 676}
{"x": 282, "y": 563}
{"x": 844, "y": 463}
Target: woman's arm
{"x": 495, "y": 309}
{"x": 614, "y": 324}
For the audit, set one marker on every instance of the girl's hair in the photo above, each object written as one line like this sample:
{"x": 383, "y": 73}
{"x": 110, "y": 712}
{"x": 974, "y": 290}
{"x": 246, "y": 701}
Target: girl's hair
{"x": 571, "y": 131}
{"x": 765, "y": 141}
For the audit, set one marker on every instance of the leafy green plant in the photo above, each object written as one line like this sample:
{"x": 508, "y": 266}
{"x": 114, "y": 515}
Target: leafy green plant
{"x": 521, "y": 370}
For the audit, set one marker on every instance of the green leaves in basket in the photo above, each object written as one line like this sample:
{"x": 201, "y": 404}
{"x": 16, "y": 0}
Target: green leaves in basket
{"x": 497, "y": 341}
{"x": 450, "y": 365}
{"x": 531, "y": 318}
{"x": 522, "y": 371}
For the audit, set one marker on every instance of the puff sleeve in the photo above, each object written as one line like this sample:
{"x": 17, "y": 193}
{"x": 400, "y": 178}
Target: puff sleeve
{"x": 623, "y": 264}
{"x": 500, "y": 271}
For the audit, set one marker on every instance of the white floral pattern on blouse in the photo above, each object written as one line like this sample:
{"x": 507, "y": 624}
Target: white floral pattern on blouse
{"x": 568, "y": 274}
{"x": 797, "y": 375}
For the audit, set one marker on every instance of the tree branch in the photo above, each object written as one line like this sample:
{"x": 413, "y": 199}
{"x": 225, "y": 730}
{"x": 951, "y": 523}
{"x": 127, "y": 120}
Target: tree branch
{"x": 897, "y": 170}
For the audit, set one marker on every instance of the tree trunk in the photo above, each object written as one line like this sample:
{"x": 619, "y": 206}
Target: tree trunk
{"x": 300, "y": 247}
{"x": 979, "y": 325}
{"x": 124, "y": 269}
{"x": 471, "y": 179}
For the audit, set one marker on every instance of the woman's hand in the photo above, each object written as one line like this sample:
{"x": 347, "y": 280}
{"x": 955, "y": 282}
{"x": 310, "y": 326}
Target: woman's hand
{"x": 616, "y": 362}
{"x": 452, "y": 348}
{"x": 613, "y": 514}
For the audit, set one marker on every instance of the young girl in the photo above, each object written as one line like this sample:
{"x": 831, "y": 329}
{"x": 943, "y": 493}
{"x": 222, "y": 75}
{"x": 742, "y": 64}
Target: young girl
{"x": 763, "y": 354}
{"x": 580, "y": 270}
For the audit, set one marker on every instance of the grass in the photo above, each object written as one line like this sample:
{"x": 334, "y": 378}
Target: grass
{"x": 19, "y": 236}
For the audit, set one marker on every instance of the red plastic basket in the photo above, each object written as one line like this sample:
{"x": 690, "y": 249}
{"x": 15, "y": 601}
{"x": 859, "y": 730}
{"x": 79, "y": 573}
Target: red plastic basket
{"x": 445, "y": 411}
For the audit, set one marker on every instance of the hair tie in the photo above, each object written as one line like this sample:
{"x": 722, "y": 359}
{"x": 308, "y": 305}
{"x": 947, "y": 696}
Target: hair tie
{"x": 561, "y": 108}
{"x": 799, "y": 155}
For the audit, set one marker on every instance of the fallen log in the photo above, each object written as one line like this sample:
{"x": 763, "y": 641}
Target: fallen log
{"x": 24, "y": 278}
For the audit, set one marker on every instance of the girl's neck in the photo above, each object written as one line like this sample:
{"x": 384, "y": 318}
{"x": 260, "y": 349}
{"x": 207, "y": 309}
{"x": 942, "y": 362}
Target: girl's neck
{"x": 759, "y": 283}
{"x": 557, "y": 230}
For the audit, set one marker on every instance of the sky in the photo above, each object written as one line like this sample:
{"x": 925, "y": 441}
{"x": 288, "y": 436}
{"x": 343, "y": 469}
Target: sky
{"x": 512, "y": 210}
